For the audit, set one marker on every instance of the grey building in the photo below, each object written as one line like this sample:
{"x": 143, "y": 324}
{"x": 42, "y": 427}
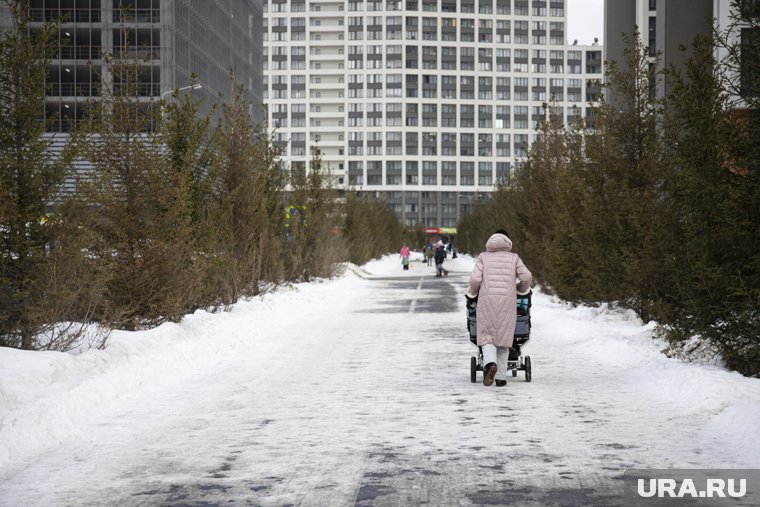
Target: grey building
{"x": 619, "y": 20}
{"x": 664, "y": 26}
{"x": 177, "y": 38}
{"x": 678, "y": 22}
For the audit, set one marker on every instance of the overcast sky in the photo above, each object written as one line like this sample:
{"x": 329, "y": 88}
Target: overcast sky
{"x": 585, "y": 20}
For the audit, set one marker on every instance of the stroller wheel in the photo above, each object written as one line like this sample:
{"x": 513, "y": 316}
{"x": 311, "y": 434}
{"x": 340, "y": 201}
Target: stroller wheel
{"x": 514, "y": 373}
{"x": 473, "y": 369}
{"x": 528, "y": 375}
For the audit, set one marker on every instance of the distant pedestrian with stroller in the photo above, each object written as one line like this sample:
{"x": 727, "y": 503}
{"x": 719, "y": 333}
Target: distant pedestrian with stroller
{"x": 405, "y": 256}
{"x": 493, "y": 283}
{"x": 440, "y": 256}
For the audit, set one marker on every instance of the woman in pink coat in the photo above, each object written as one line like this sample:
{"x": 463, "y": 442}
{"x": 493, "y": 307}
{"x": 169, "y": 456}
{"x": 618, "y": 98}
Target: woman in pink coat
{"x": 405, "y": 255}
{"x": 493, "y": 282}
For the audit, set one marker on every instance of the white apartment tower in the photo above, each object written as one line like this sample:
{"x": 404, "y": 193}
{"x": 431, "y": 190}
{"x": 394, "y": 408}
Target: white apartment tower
{"x": 427, "y": 104}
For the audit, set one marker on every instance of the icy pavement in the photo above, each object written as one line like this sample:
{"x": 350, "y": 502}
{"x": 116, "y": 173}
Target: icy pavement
{"x": 357, "y": 392}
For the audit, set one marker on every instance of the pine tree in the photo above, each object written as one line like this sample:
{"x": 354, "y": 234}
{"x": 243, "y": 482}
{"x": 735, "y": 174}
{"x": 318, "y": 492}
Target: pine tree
{"x": 535, "y": 205}
{"x": 715, "y": 198}
{"x": 625, "y": 173}
{"x": 48, "y": 289}
{"x": 313, "y": 248}
{"x": 187, "y": 138}
{"x": 246, "y": 185}
{"x": 143, "y": 201}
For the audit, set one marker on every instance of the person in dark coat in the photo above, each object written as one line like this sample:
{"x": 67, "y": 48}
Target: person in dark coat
{"x": 440, "y": 256}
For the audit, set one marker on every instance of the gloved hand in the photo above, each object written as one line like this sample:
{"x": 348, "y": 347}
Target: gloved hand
{"x": 471, "y": 300}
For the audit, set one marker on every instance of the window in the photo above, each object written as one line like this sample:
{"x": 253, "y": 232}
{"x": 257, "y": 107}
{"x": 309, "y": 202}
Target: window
{"x": 521, "y": 145}
{"x": 485, "y": 117}
{"x": 652, "y": 35}
{"x": 750, "y": 62}
{"x": 502, "y": 145}
{"x": 485, "y": 145}
{"x": 485, "y": 174}
{"x": 750, "y": 8}
{"x": 467, "y": 145}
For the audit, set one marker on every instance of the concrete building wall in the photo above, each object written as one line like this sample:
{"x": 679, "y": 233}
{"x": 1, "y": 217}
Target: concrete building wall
{"x": 664, "y": 26}
{"x": 619, "y": 20}
{"x": 678, "y": 22}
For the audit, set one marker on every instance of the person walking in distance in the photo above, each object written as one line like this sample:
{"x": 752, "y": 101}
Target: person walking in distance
{"x": 405, "y": 255}
{"x": 440, "y": 256}
{"x": 493, "y": 283}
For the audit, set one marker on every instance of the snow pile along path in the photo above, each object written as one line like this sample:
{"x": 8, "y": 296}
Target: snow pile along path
{"x": 357, "y": 391}
{"x": 49, "y": 397}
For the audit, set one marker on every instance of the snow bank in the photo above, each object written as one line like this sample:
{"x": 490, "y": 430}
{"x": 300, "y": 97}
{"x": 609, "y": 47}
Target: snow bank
{"x": 49, "y": 397}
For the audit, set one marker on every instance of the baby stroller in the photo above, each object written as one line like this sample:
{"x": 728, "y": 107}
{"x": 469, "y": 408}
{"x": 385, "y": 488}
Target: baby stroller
{"x": 522, "y": 336}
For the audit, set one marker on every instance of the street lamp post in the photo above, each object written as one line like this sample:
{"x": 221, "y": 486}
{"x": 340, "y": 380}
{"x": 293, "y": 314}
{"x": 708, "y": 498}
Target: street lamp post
{"x": 196, "y": 86}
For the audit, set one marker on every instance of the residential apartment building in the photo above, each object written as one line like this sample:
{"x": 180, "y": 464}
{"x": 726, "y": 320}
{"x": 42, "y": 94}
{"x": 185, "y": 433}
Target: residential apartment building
{"x": 177, "y": 38}
{"x": 427, "y": 104}
{"x": 666, "y": 25}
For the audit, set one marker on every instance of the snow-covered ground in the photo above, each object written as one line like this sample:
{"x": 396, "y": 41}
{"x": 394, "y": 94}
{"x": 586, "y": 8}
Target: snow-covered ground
{"x": 357, "y": 391}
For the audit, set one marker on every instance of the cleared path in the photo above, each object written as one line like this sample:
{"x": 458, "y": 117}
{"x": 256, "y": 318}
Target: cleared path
{"x": 371, "y": 403}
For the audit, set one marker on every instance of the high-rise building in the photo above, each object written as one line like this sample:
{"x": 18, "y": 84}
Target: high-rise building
{"x": 664, "y": 26}
{"x": 427, "y": 104}
{"x": 178, "y": 38}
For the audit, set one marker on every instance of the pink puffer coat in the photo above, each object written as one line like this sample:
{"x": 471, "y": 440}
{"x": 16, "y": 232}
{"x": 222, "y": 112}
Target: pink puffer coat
{"x": 493, "y": 280}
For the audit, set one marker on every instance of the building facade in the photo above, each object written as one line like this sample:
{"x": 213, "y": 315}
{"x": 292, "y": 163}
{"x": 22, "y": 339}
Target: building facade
{"x": 664, "y": 26}
{"x": 426, "y": 104}
{"x": 177, "y": 38}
